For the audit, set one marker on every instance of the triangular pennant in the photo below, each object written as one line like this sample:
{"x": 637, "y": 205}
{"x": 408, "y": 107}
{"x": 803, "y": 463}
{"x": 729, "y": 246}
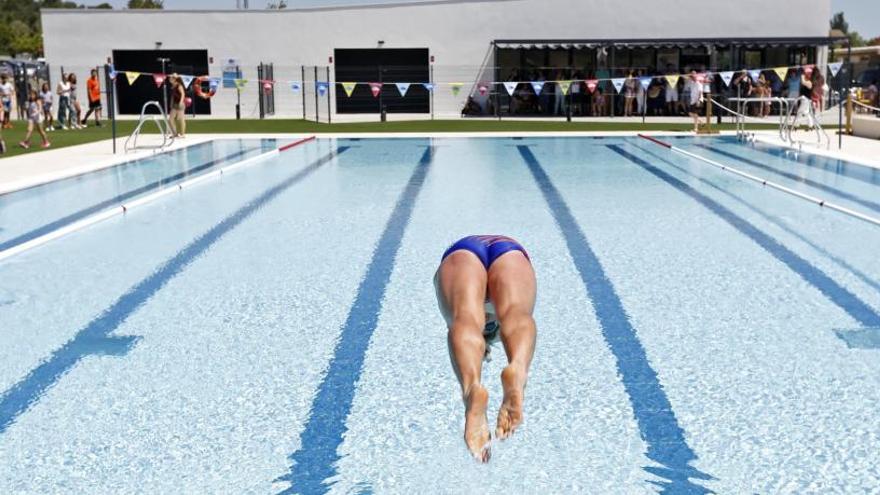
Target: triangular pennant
{"x": 592, "y": 84}
{"x": 565, "y": 86}
{"x": 483, "y": 89}
{"x": 618, "y": 83}
{"x": 132, "y": 76}
{"x": 267, "y": 85}
{"x": 428, "y": 86}
{"x": 702, "y": 77}
{"x": 376, "y": 89}
{"x": 240, "y": 83}
{"x": 456, "y": 87}
{"x": 726, "y": 76}
{"x": 672, "y": 80}
{"x": 187, "y": 80}
{"x": 510, "y": 86}
{"x": 780, "y": 72}
{"x": 402, "y": 88}
{"x": 112, "y": 72}
{"x": 645, "y": 81}
{"x": 349, "y": 88}
{"x": 755, "y": 74}
{"x": 538, "y": 86}
{"x": 159, "y": 79}
{"x": 214, "y": 83}
{"x": 322, "y": 87}
{"x": 835, "y": 68}
{"x": 295, "y": 86}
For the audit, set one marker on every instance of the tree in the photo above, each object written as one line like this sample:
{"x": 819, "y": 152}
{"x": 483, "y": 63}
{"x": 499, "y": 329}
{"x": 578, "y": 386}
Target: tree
{"x": 839, "y": 22}
{"x": 146, "y": 4}
{"x": 20, "y": 30}
{"x": 277, "y": 5}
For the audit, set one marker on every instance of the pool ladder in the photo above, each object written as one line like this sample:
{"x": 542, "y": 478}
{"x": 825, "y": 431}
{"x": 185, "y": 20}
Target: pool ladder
{"x": 161, "y": 121}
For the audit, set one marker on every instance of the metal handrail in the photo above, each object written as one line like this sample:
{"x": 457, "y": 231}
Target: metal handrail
{"x": 167, "y": 136}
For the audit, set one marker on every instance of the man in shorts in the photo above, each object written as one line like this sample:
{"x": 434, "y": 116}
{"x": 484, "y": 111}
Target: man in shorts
{"x": 7, "y": 93}
{"x": 93, "y": 87}
{"x": 486, "y": 289}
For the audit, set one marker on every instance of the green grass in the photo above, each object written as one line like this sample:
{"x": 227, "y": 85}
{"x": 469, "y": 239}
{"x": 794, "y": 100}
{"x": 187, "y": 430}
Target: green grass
{"x": 61, "y": 139}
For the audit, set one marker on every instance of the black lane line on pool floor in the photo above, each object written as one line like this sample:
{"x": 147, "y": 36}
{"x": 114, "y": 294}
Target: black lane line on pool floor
{"x": 118, "y": 199}
{"x": 314, "y": 462}
{"x": 834, "y": 292}
{"x": 95, "y": 338}
{"x": 653, "y": 412}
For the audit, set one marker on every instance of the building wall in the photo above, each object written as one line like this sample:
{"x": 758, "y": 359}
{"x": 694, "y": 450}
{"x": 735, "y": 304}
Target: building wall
{"x": 458, "y": 33}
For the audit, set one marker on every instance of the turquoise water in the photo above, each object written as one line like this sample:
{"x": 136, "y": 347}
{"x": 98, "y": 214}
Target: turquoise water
{"x": 276, "y": 330}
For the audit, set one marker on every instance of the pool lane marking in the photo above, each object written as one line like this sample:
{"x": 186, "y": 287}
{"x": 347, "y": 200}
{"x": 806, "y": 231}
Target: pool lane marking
{"x": 769, "y": 218}
{"x": 95, "y": 338}
{"x": 765, "y": 182}
{"x": 858, "y": 171}
{"x": 118, "y": 209}
{"x": 837, "y": 294}
{"x": 313, "y": 462}
{"x": 653, "y": 412}
{"x": 788, "y": 175}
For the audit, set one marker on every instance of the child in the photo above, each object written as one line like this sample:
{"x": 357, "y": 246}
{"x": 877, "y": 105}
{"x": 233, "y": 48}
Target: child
{"x": 2, "y": 142}
{"x": 34, "y": 120}
{"x": 47, "y": 98}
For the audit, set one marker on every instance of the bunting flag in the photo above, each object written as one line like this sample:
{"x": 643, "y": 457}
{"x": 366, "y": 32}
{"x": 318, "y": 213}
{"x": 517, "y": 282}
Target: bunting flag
{"x": 780, "y": 72}
{"x": 702, "y": 77}
{"x": 456, "y": 87}
{"x": 755, "y": 74}
{"x": 646, "y": 81}
{"x": 618, "y": 83}
{"x": 808, "y": 70}
{"x": 483, "y": 89}
{"x": 726, "y": 77}
{"x": 295, "y": 86}
{"x": 349, "y": 88}
{"x": 322, "y": 87}
{"x": 267, "y": 86}
{"x": 376, "y": 89}
{"x": 113, "y": 73}
{"x": 428, "y": 86}
{"x": 214, "y": 83}
{"x": 187, "y": 80}
{"x": 402, "y": 88}
{"x": 510, "y": 86}
{"x": 835, "y": 68}
{"x": 565, "y": 86}
{"x": 132, "y": 77}
{"x": 672, "y": 80}
{"x": 538, "y": 86}
{"x": 240, "y": 83}
{"x": 592, "y": 84}
{"x": 159, "y": 79}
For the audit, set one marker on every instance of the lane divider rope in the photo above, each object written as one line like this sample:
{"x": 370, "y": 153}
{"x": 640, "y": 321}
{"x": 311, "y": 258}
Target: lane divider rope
{"x": 821, "y": 202}
{"x": 124, "y": 208}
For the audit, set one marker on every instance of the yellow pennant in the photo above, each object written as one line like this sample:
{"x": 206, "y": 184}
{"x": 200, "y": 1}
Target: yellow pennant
{"x": 781, "y": 72}
{"x": 456, "y": 87}
{"x": 240, "y": 84}
{"x": 672, "y": 80}
{"x": 565, "y": 86}
{"x": 349, "y": 88}
{"x": 132, "y": 77}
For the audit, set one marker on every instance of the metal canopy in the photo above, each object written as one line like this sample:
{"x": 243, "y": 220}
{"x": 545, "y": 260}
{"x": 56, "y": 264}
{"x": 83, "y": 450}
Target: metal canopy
{"x": 664, "y": 42}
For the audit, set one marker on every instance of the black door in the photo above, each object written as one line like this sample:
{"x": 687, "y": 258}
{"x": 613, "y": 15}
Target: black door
{"x": 131, "y": 97}
{"x": 386, "y": 65}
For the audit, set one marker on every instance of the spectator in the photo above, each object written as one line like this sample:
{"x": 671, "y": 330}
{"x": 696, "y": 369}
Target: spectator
{"x": 178, "y": 107}
{"x": 640, "y": 93}
{"x": 629, "y": 93}
{"x": 2, "y": 142}
{"x": 694, "y": 91}
{"x": 805, "y": 101}
{"x": 743, "y": 86}
{"x": 63, "y": 92}
{"x": 871, "y": 94}
{"x": 818, "y": 90}
{"x": 47, "y": 98}
{"x": 598, "y": 104}
{"x": 75, "y": 108}
{"x": 34, "y": 121}
{"x": 655, "y": 97}
{"x": 794, "y": 84}
{"x": 93, "y": 87}
{"x": 763, "y": 90}
{"x": 671, "y": 93}
{"x": 7, "y": 93}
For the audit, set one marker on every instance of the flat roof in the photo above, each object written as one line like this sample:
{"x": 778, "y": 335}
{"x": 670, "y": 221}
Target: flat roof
{"x": 288, "y": 10}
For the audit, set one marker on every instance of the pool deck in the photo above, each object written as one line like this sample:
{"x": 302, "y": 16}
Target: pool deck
{"x": 23, "y": 171}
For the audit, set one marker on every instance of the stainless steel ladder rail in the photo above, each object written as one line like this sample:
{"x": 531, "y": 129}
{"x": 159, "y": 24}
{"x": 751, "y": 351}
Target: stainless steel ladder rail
{"x": 162, "y": 123}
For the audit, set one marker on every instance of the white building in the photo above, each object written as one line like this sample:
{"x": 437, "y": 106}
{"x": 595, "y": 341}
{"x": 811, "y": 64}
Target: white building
{"x": 458, "y": 41}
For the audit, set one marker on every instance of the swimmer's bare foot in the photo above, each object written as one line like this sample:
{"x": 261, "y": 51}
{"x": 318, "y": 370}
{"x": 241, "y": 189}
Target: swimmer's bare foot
{"x": 510, "y": 415}
{"x": 476, "y": 426}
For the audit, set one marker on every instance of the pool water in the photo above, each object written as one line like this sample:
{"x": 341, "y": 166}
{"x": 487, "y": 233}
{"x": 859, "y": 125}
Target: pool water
{"x": 275, "y": 330}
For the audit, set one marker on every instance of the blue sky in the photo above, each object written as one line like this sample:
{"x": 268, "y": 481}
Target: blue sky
{"x": 863, "y": 15}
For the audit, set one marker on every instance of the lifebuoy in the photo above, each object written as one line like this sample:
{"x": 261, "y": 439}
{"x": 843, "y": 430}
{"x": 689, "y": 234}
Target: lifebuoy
{"x": 197, "y": 88}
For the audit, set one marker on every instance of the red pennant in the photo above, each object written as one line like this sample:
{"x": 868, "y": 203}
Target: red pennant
{"x": 701, "y": 77}
{"x": 159, "y": 79}
{"x": 592, "y": 84}
{"x": 267, "y": 86}
{"x": 483, "y": 89}
{"x": 376, "y": 88}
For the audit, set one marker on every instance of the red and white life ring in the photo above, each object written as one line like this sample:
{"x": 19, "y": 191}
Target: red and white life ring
{"x": 198, "y": 91}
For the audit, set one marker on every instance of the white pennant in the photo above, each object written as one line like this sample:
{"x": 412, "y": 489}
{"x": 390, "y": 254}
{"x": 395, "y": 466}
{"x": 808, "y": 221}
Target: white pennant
{"x": 835, "y": 68}
{"x": 538, "y": 86}
{"x": 186, "y": 80}
{"x": 510, "y": 87}
{"x": 402, "y": 88}
{"x": 618, "y": 83}
{"x": 726, "y": 77}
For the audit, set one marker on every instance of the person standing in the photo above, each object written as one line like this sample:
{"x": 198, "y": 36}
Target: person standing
{"x": 75, "y": 108}
{"x": 178, "y": 106}
{"x": 694, "y": 91}
{"x": 34, "y": 121}
{"x": 47, "y": 98}
{"x": 7, "y": 94}
{"x": 2, "y": 142}
{"x": 629, "y": 93}
{"x": 63, "y": 92}
{"x": 93, "y": 87}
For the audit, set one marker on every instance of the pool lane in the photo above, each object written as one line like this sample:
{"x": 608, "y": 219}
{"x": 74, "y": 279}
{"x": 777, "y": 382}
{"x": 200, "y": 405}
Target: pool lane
{"x": 36, "y": 211}
{"x": 231, "y": 350}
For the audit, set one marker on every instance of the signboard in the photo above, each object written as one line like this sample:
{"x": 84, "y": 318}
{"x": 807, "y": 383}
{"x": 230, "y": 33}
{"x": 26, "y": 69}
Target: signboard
{"x": 231, "y": 71}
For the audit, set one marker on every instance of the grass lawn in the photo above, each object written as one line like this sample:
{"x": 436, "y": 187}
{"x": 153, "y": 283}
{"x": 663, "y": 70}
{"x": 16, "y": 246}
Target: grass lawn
{"x": 61, "y": 139}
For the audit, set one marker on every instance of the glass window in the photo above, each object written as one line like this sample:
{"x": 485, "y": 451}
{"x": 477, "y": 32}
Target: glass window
{"x": 752, "y": 59}
{"x": 667, "y": 60}
{"x": 643, "y": 58}
{"x": 777, "y": 56}
{"x": 584, "y": 60}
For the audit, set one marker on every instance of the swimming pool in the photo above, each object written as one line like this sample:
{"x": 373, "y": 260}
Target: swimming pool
{"x": 276, "y": 330}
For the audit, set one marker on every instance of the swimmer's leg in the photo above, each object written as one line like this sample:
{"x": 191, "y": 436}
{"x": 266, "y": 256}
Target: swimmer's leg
{"x": 512, "y": 288}
{"x": 463, "y": 289}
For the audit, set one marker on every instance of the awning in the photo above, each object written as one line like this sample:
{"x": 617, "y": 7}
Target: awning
{"x": 529, "y": 44}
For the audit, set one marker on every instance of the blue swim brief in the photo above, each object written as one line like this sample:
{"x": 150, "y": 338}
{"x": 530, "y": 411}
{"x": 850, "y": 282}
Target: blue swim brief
{"x": 487, "y": 248}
